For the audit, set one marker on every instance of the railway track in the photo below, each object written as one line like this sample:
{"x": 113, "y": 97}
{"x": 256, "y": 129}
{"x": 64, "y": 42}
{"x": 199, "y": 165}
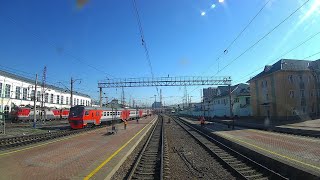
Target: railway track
{"x": 149, "y": 163}
{"x": 281, "y": 130}
{"x": 242, "y": 166}
{"x": 7, "y": 143}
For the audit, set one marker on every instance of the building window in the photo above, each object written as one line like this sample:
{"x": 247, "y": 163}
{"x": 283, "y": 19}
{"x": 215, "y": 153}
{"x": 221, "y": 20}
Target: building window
{"x": 291, "y": 94}
{"x": 247, "y": 100}
{"x": 290, "y": 78}
{"x": 300, "y": 78}
{"x": 38, "y": 96}
{"x": 67, "y": 100}
{"x": 261, "y": 84}
{"x": 74, "y": 101}
{"x": 46, "y": 96}
{"x": 304, "y": 109}
{"x": 309, "y": 79}
{"x": 58, "y": 99}
{"x": 32, "y": 95}
{"x": 7, "y": 91}
{"x": 24, "y": 94}
{"x": 18, "y": 93}
{"x": 267, "y": 96}
{"x": 266, "y": 84}
{"x": 311, "y": 93}
{"x": 312, "y": 107}
{"x": 0, "y": 89}
{"x": 302, "y": 93}
{"x": 51, "y": 98}
{"x": 77, "y": 101}
{"x": 61, "y": 99}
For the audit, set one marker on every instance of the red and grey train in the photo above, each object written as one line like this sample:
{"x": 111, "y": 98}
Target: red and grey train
{"x": 82, "y": 116}
{"x": 22, "y": 114}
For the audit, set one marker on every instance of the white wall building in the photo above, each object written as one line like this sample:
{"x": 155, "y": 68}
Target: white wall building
{"x": 19, "y": 91}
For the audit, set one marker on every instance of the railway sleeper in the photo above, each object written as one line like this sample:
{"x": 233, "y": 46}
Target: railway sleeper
{"x": 255, "y": 176}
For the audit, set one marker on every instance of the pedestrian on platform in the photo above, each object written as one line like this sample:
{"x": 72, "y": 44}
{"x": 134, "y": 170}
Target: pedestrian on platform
{"x": 202, "y": 121}
{"x": 125, "y": 124}
{"x": 137, "y": 120}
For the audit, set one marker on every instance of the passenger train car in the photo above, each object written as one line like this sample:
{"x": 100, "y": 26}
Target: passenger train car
{"x": 23, "y": 114}
{"x": 82, "y": 116}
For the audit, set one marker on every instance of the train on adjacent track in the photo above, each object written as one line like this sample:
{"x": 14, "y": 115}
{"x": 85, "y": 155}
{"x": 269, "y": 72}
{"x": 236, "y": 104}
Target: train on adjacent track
{"x": 82, "y": 116}
{"x": 23, "y": 114}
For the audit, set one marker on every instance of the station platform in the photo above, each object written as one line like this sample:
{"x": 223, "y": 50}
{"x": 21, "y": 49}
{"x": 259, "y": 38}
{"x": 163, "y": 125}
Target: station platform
{"x": 90, "y": 155}
{"x": 306, "y": 128}
{"x": 297, "y": 151}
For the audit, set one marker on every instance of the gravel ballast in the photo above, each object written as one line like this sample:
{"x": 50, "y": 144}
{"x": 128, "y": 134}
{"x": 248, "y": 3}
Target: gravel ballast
{"x": 187, "y": 159}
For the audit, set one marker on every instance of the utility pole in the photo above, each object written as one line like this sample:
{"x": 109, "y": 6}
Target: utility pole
{"x": 71, "y": 94}
{"x": 122, "y": 97}
{"x": 230, "y": 106}
{"x": 160, "y": 97}
{"x": 34, "y": 102}
{"x": 44, "y": 79}
{"x": 100, "y": 99}
{"x": 71, "y": 89}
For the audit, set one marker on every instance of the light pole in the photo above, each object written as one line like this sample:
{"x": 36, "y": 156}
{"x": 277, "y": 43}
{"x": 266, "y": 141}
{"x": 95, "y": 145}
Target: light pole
{"x": 72, "y": 81}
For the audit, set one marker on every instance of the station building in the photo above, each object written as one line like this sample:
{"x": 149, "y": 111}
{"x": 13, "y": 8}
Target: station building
{"x": 16, "y": 90}
{"x": 286, "y": 90}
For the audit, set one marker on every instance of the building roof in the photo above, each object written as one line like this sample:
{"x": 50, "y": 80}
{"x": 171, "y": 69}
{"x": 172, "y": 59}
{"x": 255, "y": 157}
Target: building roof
{"x": 284, "y": 64}
{"x": 243, "y": 89}
{"x": 27, "y": 80}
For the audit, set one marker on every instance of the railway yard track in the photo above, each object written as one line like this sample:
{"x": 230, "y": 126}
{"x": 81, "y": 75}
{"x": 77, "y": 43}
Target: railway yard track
{"x": 241, "y": 166}
{"x": 149, "y": 162}
{"x": 12, "y": 142}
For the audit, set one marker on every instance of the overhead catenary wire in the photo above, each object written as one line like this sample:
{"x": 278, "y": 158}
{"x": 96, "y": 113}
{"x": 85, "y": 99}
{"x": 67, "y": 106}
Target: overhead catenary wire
{"x": 311, "y": 55}
{"x": 143, "y": 41}
{"x": 226, "y": 50}
{"x": 259, "y": 40}
{"x": 287, "y": 52}
{"x": 263, "y": 37}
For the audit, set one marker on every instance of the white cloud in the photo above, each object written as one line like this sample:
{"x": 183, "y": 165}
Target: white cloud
{"x": 213, "y": 6}
{"x": 203, "y": 13}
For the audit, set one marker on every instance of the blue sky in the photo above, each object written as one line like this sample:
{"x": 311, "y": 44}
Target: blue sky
{"x": 181, "y": 42}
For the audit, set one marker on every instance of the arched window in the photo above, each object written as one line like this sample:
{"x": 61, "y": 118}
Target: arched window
{"x": 6, "y": 111}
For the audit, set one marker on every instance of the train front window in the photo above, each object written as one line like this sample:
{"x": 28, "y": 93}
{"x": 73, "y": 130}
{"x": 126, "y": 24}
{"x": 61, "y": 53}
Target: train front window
{"x": 76, "y": 111}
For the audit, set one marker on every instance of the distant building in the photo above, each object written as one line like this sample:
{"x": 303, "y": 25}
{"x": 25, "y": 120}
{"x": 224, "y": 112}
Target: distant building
{"x": 156, "y": 105}
{"x": 288, "y": 89}
{"x": 240, "y": 101}
{"x": 209, "y": 94}
{"x": 19, "y": 91}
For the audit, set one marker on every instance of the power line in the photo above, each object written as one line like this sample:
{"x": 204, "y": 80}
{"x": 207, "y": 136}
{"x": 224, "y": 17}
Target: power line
{"x": 237, "y": 37}
{"x": 144, "y": 44}
{"x": 257, "y": 42}
{"x": 311, "y": 55}
{"x": 240, "y": 33}
{"x": 287, "y": 52}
